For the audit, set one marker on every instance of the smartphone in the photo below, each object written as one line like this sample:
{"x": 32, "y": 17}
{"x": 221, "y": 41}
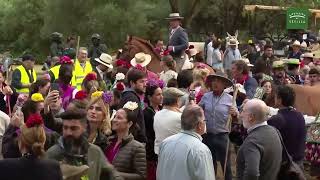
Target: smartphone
{"x": 54, "y": 87}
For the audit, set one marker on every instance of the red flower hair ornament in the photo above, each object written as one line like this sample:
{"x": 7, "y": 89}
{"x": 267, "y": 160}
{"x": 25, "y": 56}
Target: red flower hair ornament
{"x": 139, "y": 67}
{"x": 65, "y": 60}
{"x": 81, "y": 95}
{"x": 91, "y": 76}
{"x": 34, "y": 120}
{"x": 120, "y": 86}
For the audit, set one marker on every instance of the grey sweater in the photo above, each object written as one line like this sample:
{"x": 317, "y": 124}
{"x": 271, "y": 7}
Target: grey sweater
{"x": 260, "y": 155}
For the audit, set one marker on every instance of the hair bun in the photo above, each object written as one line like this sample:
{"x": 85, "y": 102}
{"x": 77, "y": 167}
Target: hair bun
{"x": 37, "y": 149}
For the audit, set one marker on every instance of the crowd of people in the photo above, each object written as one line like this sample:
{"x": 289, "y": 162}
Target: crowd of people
{"x": 91, "y": 116}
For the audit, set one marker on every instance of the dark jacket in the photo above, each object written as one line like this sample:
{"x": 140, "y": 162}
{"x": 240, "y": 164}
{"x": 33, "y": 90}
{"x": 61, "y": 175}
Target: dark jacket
{"x": 10, "y": 147}
{"x": 30, "y": 168}
{"x": 260, "y": 155}
{"x": 130, "y": 160}
{"x": 250, "y": 85}
{"x": 99, "y": 167}
{"x": 95, "y": 52}
{"x": 263, "y": 65}
{"x": 12, "y": 98}
{"x": 131, "y": 95}
{"x": 179, "y": 40}
{"x": 291, "y": 125}
{"x": 149, "y": 119}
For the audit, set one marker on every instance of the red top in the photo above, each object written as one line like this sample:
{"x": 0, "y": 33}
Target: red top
{"x": 112, "y": 150}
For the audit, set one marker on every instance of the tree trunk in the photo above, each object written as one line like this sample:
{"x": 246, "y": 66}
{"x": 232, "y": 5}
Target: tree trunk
{"x": 174, "y": 5}
{"x": 194, "y": 10}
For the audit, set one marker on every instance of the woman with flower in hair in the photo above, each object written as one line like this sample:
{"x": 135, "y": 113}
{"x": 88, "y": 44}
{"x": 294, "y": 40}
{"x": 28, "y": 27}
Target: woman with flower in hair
{"x": 32, "y": 165}
{"x": 200, "y": 73}
{"x": 64, "y": 81}
{"x": 98, "y": 117}
{"x": 34, "y": 105}
{"x": 153, "y": 98}
{"x": 127, "y": 155}
{"x": 168, "y": 66}
{"x": 90, "y": 84}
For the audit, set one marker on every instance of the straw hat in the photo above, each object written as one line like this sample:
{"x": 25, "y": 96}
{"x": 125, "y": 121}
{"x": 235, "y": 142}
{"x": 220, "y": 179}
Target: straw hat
{"x": 105, "y": 59}
{"x": 278, "y": 64}
{"x": 173, "y": 16}
{"x": 141, "y": 58}
{"x": 246, "y": 60}
{"x": 304, "y": 44}
{"x": 307, "y": 55}
{"x": 296, "y": 43}
{"x": 220, "y": 76}
{"x": 233, "y": 42}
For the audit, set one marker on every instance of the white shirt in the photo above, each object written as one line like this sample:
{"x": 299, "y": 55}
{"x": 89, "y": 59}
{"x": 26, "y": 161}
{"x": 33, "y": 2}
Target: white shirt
{"x": 166, "y": 76}
{"x": 166, "y": 123}
{"x": 209, "y": 53}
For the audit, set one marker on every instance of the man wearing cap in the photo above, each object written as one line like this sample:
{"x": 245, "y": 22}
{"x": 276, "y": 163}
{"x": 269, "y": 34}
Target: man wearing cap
{"x": 279, "y": 73}
{"x": 293, "y": 70}
{"x": 178, "y": 40}
{"x": 143, "y": 60}
{"x": 167, "y": 122}
{"x": 217, "y": 105}
{"x": 231, "y": 54}
{"x": 96, "y": 49}
{"x": 82, "y": 67}
{"x": 74, "y": 149}
{"x": 295, "y": 53}
{"x": 24, "y": 75}
{"x": 103, "y": 70}
{"x": 264, "y": 62}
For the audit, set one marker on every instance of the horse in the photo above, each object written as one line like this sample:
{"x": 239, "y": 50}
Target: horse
{"x": 134, "y": 45}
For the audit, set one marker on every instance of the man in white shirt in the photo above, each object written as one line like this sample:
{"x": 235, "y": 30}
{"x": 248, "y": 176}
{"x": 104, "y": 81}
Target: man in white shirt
{"x": 167, "y": 122}
{"x": 209, "y": 53}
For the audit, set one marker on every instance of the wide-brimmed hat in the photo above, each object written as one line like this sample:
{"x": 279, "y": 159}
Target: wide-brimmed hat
{"x": 307, "y": 55}
{"x": 219, "y": 75}
{"x": 141, "y": 58}
{"x": 296, "y": 43}
{"x": 247, "y": 61}
{"x": 278, "y": 64}
{"x": 173, "y": 16}
{"x": 95, "y": 35}
{"x": 105, "y": 59}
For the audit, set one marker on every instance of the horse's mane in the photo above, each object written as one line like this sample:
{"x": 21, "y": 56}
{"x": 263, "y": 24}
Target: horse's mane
{"x": 144, "y": 43}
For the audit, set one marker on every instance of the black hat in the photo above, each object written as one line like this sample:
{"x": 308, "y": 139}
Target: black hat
{"x": 28, "y": 57}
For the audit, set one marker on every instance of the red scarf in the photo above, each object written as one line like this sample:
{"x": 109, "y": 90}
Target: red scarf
{"x": 242, "y": 79}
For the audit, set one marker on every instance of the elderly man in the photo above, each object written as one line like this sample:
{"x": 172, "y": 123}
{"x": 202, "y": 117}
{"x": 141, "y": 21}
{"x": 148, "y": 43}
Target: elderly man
{"x": 184, "y": 156}
{"x": 73, "y": 148}
{"x": 260, "y": 155}
{"x": 217, "y": 106}
{"x": 178, "y": 40}
{"x": 103, "y": 70}
{"x": 82, "y": 67}
{"x": 167, "y": 122}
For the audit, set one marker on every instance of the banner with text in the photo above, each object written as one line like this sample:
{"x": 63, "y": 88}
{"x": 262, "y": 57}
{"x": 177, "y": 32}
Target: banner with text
{"x": 297, "y": 18}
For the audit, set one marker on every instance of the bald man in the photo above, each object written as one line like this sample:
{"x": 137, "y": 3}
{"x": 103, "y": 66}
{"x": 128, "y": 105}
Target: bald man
{"x": 260, "y": 155}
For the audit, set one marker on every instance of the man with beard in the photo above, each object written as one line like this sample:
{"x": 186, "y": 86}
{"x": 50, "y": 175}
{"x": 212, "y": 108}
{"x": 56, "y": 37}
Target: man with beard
{"x": 74, "y": 149}
{"x": 279, "y": 73}
{"x": 96, "y": 49}
{"x": 137, "y": 83}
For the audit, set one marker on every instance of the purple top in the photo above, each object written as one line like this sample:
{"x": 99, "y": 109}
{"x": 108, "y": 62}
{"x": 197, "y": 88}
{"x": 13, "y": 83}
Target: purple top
{"x": 66, "y": 94}
{"x": 112, "y": 150}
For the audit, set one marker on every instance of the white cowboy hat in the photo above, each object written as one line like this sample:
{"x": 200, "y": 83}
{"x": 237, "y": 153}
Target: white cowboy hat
{"x": 105, "y": 59}
{"x": 233, "y": 42}
{"x": 296, "y": 43}
{"x": 246, "y": 60}
{"x": 174, "y": 16}
{"x": 141, "y": 58}
{"x": 304, "y": 44}
{"x": 307, "y": 55}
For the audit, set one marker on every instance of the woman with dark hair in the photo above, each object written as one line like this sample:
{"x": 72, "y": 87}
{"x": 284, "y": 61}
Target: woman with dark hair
{"x": 153, "y": 98}
{"x": 168, "y": 66}
{"x": 31, "y": 140}
{"x": 127, "y": 155}
{"x": 40, "y": 86}
{"x": 269, "y": 95}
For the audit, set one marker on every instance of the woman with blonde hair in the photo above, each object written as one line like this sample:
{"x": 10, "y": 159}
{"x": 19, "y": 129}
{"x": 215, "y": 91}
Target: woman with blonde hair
{"x": 98, "y": 116}
{"x": 200, "y": 73}
{"x": 31, "y": 140}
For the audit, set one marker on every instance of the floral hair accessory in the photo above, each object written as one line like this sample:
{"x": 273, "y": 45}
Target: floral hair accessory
{"x": 201, "y": 66}
{"x": 120, "y": 76}
{"x": 166, "y": 53}
{"x": 34, "y": 120}
{"x": 107, "y": 97}
{"x": 120, "y": 86}
{"x": 91, "y": 76}
{"x": 81, "y": 95}
{"x": 96, "y": 94}
{"x": 155, "y": 82}
{"x": 123, "y": 63}
{"x": 131, "y": 105}
{"x": 65, "y": 60}
{"x": 37, "y": 97}
{"x": 139, "y": 67}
